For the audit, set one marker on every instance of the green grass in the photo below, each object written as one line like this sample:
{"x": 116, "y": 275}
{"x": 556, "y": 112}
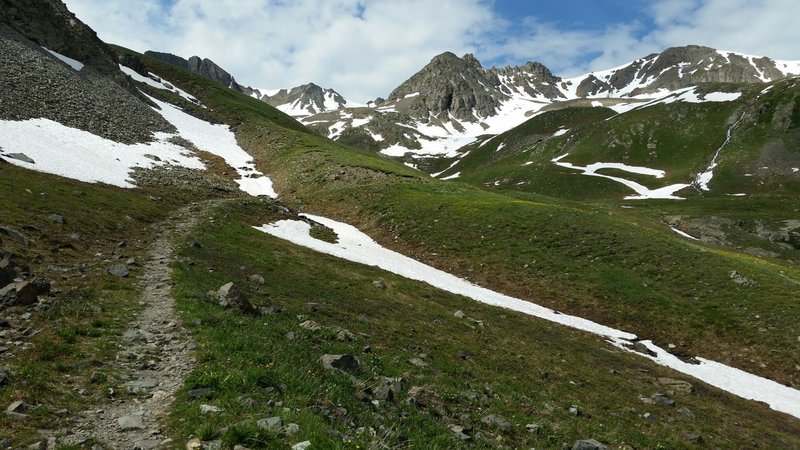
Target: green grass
{"x": 527, "y": 370}
{"x": 76, "y": 335}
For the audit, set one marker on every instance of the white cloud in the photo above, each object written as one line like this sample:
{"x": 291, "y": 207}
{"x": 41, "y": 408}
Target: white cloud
{"x": 763, "y": 28}
{"x": 365, "y": 48}
{"x": 362, "y": 48}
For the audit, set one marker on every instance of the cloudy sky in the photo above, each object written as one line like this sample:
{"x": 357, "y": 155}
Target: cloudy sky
{"x": 365, "y": 48}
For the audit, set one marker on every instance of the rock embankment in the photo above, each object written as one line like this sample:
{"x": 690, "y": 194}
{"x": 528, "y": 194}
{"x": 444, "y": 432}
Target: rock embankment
{"x": 35, "y": 84}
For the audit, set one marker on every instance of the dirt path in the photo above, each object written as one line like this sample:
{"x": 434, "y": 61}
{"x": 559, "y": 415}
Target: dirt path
{"x": 155, "y": 354}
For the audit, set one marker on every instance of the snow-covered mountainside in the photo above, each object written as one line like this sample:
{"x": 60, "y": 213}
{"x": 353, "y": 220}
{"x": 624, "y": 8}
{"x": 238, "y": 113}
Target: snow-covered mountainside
{"x": 301, "y": 101}
{"x": 452, "y": 101}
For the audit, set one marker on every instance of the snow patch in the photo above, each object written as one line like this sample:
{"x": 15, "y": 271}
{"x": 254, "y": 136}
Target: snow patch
{"x": 643, "y": 192}
{"x": 74, "y": 63}
{"x": 218, "y": 140}
{"x": 561, "y": 132}
{"x": 686, "y": 235}
{"x": 353, "y": 245}
{"x": 151, "y": 81}
{"x": 81, "y": 155}
{"x": 451, "y": 177}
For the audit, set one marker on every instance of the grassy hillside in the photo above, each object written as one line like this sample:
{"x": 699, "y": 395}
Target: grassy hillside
{"x": 492, "y": 372}
{"x": 679, "y": 138}
{"x": 621, "y": 267}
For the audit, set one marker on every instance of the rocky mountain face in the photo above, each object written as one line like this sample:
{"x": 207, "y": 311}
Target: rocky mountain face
{"x": 200, "y": 66}
{"x": 452, "y": 100}
{"x": 676, "y": 68}
{"x": 463, "y": 88}
{"x": 50, "y": 24}
{"x": 37, "y": 84}
{"x": 304, "y": 100}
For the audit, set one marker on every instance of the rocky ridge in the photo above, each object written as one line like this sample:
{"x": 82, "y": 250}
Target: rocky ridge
{"x": 200, "y": 66}
{"x": 452, "y": 99}
{"x": 37, "y": 84}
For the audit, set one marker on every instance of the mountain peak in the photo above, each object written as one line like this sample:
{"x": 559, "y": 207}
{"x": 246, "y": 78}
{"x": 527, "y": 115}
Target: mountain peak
{"x": 198, "y": 65}
{"x": 470, "y": 59}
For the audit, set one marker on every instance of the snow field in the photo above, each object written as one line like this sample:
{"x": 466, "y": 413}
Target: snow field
{"x": 80, "y": 155}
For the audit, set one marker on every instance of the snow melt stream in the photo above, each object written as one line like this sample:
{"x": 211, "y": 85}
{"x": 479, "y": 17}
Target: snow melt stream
{"x": 353, "y": 245}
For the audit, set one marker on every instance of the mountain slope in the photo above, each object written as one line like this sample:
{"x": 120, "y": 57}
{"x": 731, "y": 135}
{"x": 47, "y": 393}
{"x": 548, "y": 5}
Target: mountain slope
{"x": 452, "y": 101}
{"x": 425, "y": 368}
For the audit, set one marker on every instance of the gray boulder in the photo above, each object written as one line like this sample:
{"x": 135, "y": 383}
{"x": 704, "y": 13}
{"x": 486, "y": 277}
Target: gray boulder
{"x": 119, "y": 270}
{"x": 588, "y": 444}
{"x": 229, "y": 296}
{"x": 23, "y": 292}
{"x": 345, "y": 363}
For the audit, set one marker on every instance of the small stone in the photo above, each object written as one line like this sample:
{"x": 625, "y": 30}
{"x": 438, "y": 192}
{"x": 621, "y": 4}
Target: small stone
{"x": 460, "y": 433}
{"x": 344, "y": 335}
{"x": 640, "y": 347}
{"x": 684, "y": 411}
{"x": 379, "y": 284}
{"x": 132, "y": 422}
{"x": 198, "y": 393}
{"x": 57, "y": 218}
{"x": 270, "y": 423}
{"x": 497, "y": 421}
{"x": 418, "y": 362}
{"x": 141, "y": 386}
{"x": 209, "y": 409}
{"x": 119, "y": 270}
{"x": 662, "y": 399}
{"x": 291, "y": 336}
{"x": 41, "y": 445}
{"x": 459, "y": 314}
{"x": 301, "y": 445}
{"x": 255, "y": 278}
{"x": 15, "y": 235}
{"x": 574, "y": 410}
{"x": 588, "y": 444}
{"x": 534, "y": 428}
{"x": 388, "y": 388}
{"x": 678, "y": 386}
{"x": 229, "y": 296}
{"x": 194, "y": 444}
{"x": 345, "y": 363}
{"x": 291, "y": 429}
{"x": 146, "y": 444}
{"x": 311, "y": 326}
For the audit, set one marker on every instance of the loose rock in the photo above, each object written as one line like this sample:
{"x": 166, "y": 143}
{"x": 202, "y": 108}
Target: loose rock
{"x": 229, "y": 296}
{"x": 132, "y": 422}
{"x": 345, "y": 363}
{"x": 119, "y": 270}
{"x": 270, "y": 423}
{"x": 588, "y": 444}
